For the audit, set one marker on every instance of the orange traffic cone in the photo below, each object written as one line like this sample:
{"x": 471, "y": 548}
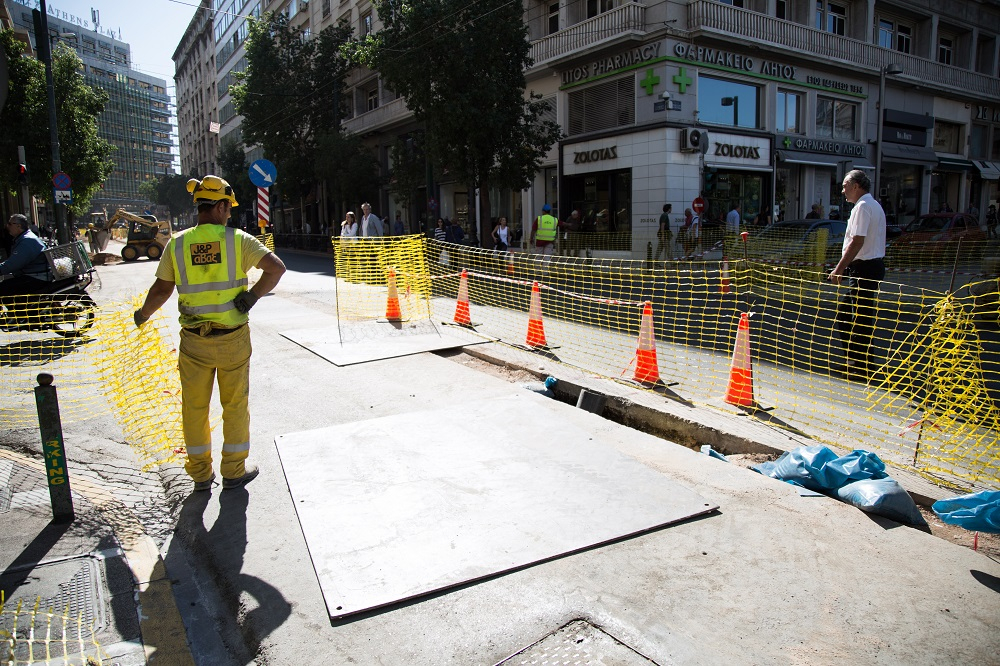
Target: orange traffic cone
{"x": 392, "y": 312}
{"x": 724, "y": 288}
{"x": 536, "y": 331}
{"x": 510, "y": 264}
{"x": 646, "y": 369}
{"x": 462, "y": 317}
{"x": 740, "y": 390}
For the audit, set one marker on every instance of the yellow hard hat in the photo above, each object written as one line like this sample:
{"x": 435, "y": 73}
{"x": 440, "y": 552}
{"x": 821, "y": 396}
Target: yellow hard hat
{"x": 211, "y": 189}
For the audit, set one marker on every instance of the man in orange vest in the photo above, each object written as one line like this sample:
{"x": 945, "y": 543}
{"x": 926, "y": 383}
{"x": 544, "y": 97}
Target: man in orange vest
{"x": 544, "y": 230}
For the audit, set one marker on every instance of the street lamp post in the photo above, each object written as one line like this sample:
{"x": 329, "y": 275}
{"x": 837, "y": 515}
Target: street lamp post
{"x": 891, "y": 69}
{"x": 734, "y": 102}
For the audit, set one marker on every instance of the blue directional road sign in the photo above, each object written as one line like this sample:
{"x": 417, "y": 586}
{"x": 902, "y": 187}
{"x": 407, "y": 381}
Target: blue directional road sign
{"x": 263, "y": 173}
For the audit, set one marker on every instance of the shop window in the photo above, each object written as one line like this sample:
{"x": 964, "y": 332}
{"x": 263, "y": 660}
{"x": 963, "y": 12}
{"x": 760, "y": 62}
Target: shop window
{"x": 947, "y": 137}
{"x": 836, "y": 119}
{"x": 732, "y": 103}
{"x": 946, "y": 48}
{"x": 789, "y": 112}
{"x": 604, "y": 106}
{"x": 831, "y": 17}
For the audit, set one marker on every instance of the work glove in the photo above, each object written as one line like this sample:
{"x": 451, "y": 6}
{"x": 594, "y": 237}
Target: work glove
{"x": 244, "y": 301}
{"x": 139, "y": 319}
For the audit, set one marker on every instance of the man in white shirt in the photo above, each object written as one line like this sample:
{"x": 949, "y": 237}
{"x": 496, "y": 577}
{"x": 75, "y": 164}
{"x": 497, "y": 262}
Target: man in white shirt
{"x": 862, "y": 259}
{"x": 371, "y": 225}
{"x": 733, "y": 221}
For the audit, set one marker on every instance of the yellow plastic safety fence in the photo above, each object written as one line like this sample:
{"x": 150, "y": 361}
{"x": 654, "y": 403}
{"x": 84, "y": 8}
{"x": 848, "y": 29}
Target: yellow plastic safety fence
{"x": 102, "y": 364}
{"x": 51, "y": 334}
{"x": 141, "y": 382}
{"x": 365, "y": 267}
{"x": 32, "y": 634}
{"x": 589, "y": 315}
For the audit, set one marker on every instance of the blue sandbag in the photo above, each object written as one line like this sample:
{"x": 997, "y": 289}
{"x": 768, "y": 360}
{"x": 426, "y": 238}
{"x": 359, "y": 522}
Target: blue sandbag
{"x": 819, "y": 468}
{"x": 882, "y": 497}
{"x": 979, "y": 512}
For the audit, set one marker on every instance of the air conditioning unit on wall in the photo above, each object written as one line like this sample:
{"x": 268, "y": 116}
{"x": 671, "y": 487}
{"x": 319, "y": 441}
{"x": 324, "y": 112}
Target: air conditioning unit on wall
{"x": 694, "y": 140}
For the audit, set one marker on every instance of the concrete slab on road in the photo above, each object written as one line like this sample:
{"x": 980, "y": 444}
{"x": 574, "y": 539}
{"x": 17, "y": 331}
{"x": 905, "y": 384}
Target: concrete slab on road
{"x": 401, "y": 506}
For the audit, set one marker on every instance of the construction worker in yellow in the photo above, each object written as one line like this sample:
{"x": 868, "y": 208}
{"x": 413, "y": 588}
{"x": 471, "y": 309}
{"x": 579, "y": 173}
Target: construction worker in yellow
{"x": 208, "y": 264}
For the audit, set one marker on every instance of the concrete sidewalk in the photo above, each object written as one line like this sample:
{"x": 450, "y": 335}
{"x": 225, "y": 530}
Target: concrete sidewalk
{"x": 771, "y": 578}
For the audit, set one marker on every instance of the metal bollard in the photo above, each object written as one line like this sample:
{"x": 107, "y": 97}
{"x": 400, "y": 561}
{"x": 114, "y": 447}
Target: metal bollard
{"x": 50, "y": 426}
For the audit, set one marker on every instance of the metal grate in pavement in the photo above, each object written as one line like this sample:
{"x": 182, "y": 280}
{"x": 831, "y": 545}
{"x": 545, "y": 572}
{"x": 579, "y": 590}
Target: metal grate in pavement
{"x": 579, "y": 643}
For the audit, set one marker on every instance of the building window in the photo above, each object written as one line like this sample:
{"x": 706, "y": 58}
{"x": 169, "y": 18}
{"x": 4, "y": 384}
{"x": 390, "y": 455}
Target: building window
{"x": 947, "y": 137}
{"x": 946, "y": 48}
{"x": 595, "y": 7}
{"x": 977, "y": 142}
{"x": 326, "y": 8}
{"x": 553, "y": 18}
{"x": 789, "y": 112}
{"x": 366, "y": 24}
{"x": 372, "y": 99}
{"x": 734, "y": 3}
{"x": 604, "y": 106}
{"x": 831, "y": 17}
{"x": 894, "y": 36}
{"x": 781, "y": 10}
{"x": 836, "y": 119}
{"x": 730, "y": 103}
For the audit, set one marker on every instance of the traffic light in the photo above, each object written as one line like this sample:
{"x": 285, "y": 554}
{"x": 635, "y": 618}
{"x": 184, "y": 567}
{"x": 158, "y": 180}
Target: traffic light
{"x": 22, "y": 174}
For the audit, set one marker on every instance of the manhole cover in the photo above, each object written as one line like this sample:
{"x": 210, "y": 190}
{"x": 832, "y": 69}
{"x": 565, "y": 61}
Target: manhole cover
{"x": 65, "y": 607}
{"x": 578, "y": 643}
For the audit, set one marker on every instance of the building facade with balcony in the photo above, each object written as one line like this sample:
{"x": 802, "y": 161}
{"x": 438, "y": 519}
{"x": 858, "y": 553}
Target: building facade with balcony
{"x": 784, "y": 96}
{"x": 136, "y": 118}
{"x": 197, "y": 101}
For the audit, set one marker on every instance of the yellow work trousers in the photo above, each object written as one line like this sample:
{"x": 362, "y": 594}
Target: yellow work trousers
{"x": 200, "y": 361}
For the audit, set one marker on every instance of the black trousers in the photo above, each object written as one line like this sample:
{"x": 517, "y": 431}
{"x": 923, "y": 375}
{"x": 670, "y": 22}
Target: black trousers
{"x": 856, "y": 313}
{"x": 22, "y": 284}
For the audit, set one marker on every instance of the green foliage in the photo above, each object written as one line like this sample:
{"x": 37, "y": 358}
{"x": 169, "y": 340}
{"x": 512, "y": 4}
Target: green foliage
{"x": 409, "y": 169}
{"x": 466, "y": 84}
{"x": 25, "y": 121}
{"x": 348, "y": 166}
{"x": 232, "y": 163}
{"x": 290, "y": 94}
{"x": 169, "y": 190}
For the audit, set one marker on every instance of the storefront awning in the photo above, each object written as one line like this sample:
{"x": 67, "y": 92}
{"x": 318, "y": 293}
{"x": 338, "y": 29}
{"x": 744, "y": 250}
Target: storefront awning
{"x": 821, "y": 159}
{"x": 987, "y": 170}
{"x": 954, "y": 164}
{"x": 898, "y": 152}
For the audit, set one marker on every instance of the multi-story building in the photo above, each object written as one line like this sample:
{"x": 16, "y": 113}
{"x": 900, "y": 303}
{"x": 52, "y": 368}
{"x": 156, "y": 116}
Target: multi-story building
{"x": 197, "y": 99}
{"x": 136, "y": 118}
{"x": 764, "y": 103}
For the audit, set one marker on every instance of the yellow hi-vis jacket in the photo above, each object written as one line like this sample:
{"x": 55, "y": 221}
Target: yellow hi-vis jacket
{"x": 546, "y": 228}
{"x": 209, "y": 269}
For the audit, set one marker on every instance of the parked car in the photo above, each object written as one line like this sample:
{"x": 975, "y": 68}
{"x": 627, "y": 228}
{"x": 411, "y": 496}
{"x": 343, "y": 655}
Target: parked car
{"x": 934, "y": 227}
{"x": 791, "y": 240}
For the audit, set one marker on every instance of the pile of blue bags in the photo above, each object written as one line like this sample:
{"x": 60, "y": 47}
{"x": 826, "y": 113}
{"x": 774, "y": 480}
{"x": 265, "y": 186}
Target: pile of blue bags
{"x": 978, "y": 512}
{"x": 858, "y": 478}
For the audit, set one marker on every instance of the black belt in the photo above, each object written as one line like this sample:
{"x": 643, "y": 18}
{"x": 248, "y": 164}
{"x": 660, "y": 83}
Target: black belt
{"x": 215, "y": 331}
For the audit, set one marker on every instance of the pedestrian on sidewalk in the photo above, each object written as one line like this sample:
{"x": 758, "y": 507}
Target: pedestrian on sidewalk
{"x": 862, "y": 260}
{"x": 208, "y": 264}
{"x": 370, "y": 225}
{"x": 663, "y": 234}
{"x": 544, "y": 230}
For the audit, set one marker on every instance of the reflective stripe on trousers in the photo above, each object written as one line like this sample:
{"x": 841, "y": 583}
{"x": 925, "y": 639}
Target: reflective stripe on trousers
{"x": 202, "y": 360}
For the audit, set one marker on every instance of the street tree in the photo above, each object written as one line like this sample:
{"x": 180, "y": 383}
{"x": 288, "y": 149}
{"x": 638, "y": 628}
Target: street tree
{"x": 466, "y": 85}
{"x": 25, "y": 121}
{"x": 290, "y": 95}
{"x": 168, "y": 190}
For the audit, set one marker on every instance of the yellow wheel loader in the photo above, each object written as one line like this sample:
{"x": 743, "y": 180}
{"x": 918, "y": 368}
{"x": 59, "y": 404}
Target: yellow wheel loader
{"x": 147, "y": 236}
